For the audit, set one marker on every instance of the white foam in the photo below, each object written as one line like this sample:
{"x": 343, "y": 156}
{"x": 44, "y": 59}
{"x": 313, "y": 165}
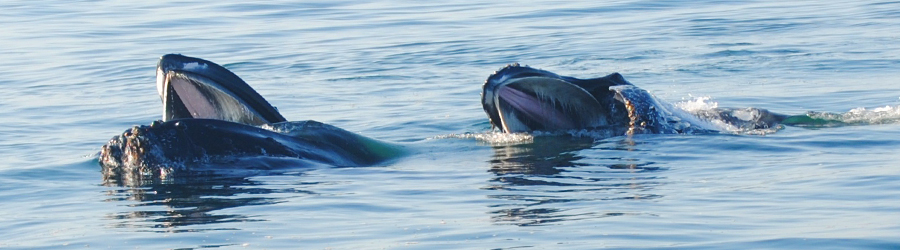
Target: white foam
{"x": 879, "y": 115}
{"x": 885, "y": 109}
{"x": 745, "y": 114}
{"x": 697, "y": 104}
{"x": 700, "y": 105}
{"x": 493, "y": 138}
{"x": 858, "y": 116}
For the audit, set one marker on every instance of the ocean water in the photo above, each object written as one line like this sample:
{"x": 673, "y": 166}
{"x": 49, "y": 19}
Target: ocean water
{"x": 76, "y": 73}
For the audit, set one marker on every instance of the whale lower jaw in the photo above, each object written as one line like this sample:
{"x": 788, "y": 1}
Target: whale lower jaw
{"x": 522, "y": 99}
{"x": 195, "y": 88}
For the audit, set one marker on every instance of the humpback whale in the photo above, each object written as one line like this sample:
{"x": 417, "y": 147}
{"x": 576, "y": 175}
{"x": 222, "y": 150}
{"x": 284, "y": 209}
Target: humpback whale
{"x": 523, "y": 99}
{"x": 210, "y": 115}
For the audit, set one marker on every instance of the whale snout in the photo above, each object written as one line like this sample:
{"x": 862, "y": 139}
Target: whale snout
{"x": 134, "y": 156}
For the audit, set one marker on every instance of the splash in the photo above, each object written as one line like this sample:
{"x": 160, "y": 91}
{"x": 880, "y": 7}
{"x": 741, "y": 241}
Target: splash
{"x": 497, "y": 138}
{"x": 857, "y": 116}
{"x": 597, "y": 134}
{"x": 707, "y": 110}
{"x": 697, "y": 104}
{"x": 493, "y": 138}
{"x": 880, "y": 115}
{"x": 753, "y": 121}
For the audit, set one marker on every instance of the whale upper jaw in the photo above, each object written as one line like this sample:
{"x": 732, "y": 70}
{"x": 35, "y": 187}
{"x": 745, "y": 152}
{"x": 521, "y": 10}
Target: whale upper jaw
{"x": 523, "y": 99}
{"x": 196, "y": 88}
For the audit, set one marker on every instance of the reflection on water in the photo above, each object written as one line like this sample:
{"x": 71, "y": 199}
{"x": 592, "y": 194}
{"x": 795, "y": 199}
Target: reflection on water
{"x": 544, "y": 156}
{"x": 547, "y": 181}
{"x": 174, "y": 207}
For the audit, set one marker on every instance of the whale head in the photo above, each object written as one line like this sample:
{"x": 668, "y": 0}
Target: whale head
{"x": 523, "y": 99}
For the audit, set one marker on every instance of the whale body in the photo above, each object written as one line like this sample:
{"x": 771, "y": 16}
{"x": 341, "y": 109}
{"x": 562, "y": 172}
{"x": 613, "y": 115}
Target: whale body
{"x": 210, "y": 115}
{"x": 523, "y": 99}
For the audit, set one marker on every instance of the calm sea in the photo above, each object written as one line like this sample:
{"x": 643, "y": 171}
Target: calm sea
{"x": 75, "y": 73}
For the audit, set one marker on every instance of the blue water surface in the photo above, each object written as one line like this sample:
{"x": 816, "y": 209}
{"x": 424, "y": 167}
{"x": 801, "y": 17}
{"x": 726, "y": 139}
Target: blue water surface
{"x": 75, "y": 73}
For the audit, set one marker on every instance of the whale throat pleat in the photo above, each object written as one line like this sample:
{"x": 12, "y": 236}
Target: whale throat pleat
{"x": 205, "y": 99}
{"x": 551, "y": 102}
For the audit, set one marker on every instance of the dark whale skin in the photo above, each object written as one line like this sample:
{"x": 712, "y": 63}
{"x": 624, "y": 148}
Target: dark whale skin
{"x": 172, "y": 148}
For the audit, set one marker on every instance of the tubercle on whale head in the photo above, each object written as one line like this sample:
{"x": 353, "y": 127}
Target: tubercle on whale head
{"x": 165, "y": 149}
{"x": 135, "y": 156}
{"x": 180, "y": 148}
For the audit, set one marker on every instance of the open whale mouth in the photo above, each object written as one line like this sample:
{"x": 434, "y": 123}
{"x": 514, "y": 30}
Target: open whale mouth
{"x": 196, "y": 88}
{"x": 541, "y": 103}
{"x": 522, "y": 99}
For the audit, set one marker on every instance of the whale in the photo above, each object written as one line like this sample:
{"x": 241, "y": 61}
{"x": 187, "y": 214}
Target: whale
{"x": 519, "y": 98}
{"x": 212, "y": 116}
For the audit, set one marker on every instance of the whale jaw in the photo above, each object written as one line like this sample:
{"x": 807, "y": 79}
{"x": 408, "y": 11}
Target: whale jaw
{"x": 195, "y": 88}
{"x": 522, "y": 99}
